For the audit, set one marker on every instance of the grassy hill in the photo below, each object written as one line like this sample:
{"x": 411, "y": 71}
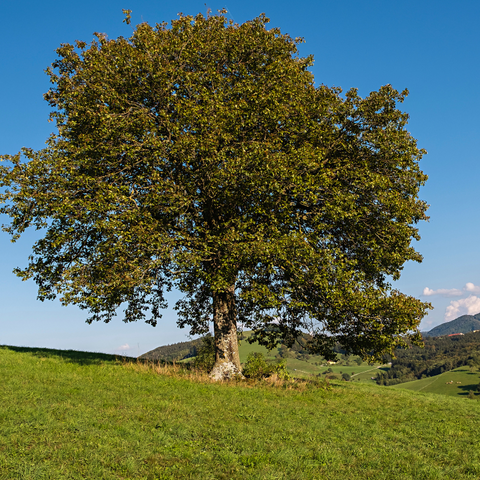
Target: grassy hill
{"x": 71, "y": 415}
{"x": 464, "y": 379}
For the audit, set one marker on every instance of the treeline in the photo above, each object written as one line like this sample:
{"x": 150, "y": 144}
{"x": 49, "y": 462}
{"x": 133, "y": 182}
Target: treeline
{"x": 440, "y": 354}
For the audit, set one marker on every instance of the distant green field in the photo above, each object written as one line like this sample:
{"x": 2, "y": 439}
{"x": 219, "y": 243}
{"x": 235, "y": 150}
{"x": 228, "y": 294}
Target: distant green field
{"x": 362, "y": 373}
{"x": 463, "y": 380}
{"x": 307, "y": 368}
{"x": 299, "y": 367}
{"x": 246, "y": 348}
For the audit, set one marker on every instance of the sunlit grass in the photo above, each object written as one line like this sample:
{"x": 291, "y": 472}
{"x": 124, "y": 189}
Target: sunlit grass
{"x": 457, "y": 382}
{"x": 70, "y": 415}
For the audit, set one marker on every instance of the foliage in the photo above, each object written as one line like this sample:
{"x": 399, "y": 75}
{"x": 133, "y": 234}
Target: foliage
{"x": 73, "y": 415}
{"x": 299, "y": 348}
{"x": 257, "y": 367}
{"x": 346, "y": 376}
{"x": 203, "y": 156}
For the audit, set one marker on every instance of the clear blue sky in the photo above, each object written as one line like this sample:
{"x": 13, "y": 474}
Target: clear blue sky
{"x": 430, "y": 47}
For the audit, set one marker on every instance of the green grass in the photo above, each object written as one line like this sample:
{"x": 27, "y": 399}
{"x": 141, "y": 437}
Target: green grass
{"x": 246, "y": 348}
{"x": 298, "y": 367}
{"x": 367, "y": 372}
{"x": 69, "y": 415}
{"x": 463, "y": 380}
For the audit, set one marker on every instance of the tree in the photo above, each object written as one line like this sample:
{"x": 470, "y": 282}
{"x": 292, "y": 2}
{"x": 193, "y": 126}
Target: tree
{"x": 201, "y": 156}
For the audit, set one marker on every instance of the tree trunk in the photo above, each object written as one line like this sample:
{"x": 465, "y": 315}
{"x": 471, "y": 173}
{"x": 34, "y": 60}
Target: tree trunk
{"x": 227, "y": 359}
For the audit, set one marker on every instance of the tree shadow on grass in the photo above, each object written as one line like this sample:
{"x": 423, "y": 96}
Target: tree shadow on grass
{"x": 466, "y": 388}
{"x": 72, "y": 356}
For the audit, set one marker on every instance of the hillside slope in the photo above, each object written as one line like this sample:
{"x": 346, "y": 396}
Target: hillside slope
{"x": 458, "y": 382}
{"x": 64, "y": 415}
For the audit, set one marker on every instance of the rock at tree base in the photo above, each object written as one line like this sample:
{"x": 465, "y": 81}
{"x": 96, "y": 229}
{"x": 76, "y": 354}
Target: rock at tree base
{"x": 225, "y": 371}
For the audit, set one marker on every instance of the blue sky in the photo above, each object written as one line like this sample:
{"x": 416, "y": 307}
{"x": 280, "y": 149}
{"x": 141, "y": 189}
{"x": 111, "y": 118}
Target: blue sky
{"x": 430, "y": 47}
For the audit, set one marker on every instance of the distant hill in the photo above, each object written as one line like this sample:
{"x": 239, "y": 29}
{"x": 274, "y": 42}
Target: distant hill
{"x": 440, "y": 354}
{"x": 176, "y": 351}
{"x": 457, "y": 382}
{"x": 463, "y": 324}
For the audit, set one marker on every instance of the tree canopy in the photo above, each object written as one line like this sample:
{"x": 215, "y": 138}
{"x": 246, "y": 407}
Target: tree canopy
{"x": 201, "y": 155}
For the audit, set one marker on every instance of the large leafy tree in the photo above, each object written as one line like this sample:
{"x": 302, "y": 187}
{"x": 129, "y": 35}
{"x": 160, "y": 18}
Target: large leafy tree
{"x": 201, "y": 155}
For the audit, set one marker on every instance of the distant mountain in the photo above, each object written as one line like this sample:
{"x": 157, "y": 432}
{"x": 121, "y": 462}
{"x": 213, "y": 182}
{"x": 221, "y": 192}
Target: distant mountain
{"x": 463, "y": 324}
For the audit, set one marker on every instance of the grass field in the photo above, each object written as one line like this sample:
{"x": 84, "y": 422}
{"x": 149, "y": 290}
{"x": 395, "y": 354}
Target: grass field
{"x": 463, "y": 380}
{"x": 70, "y": 415}
{"x": 246, "y": 348}
{"x": 363, "y": 372}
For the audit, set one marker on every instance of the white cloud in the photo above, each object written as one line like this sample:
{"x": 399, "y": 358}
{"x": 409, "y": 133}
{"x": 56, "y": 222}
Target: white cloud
{"x": 124, "y": 347}
{"x": 470, "y": 287}
{"x": 444, "y": 292}
{"x": 465, "y": 306}
{"x": 452, "y": 292}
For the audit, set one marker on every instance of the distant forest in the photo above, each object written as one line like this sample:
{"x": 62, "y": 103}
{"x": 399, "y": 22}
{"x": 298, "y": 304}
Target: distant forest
{"x": 174, "y": 352}
{"x": 440, "y": 354}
